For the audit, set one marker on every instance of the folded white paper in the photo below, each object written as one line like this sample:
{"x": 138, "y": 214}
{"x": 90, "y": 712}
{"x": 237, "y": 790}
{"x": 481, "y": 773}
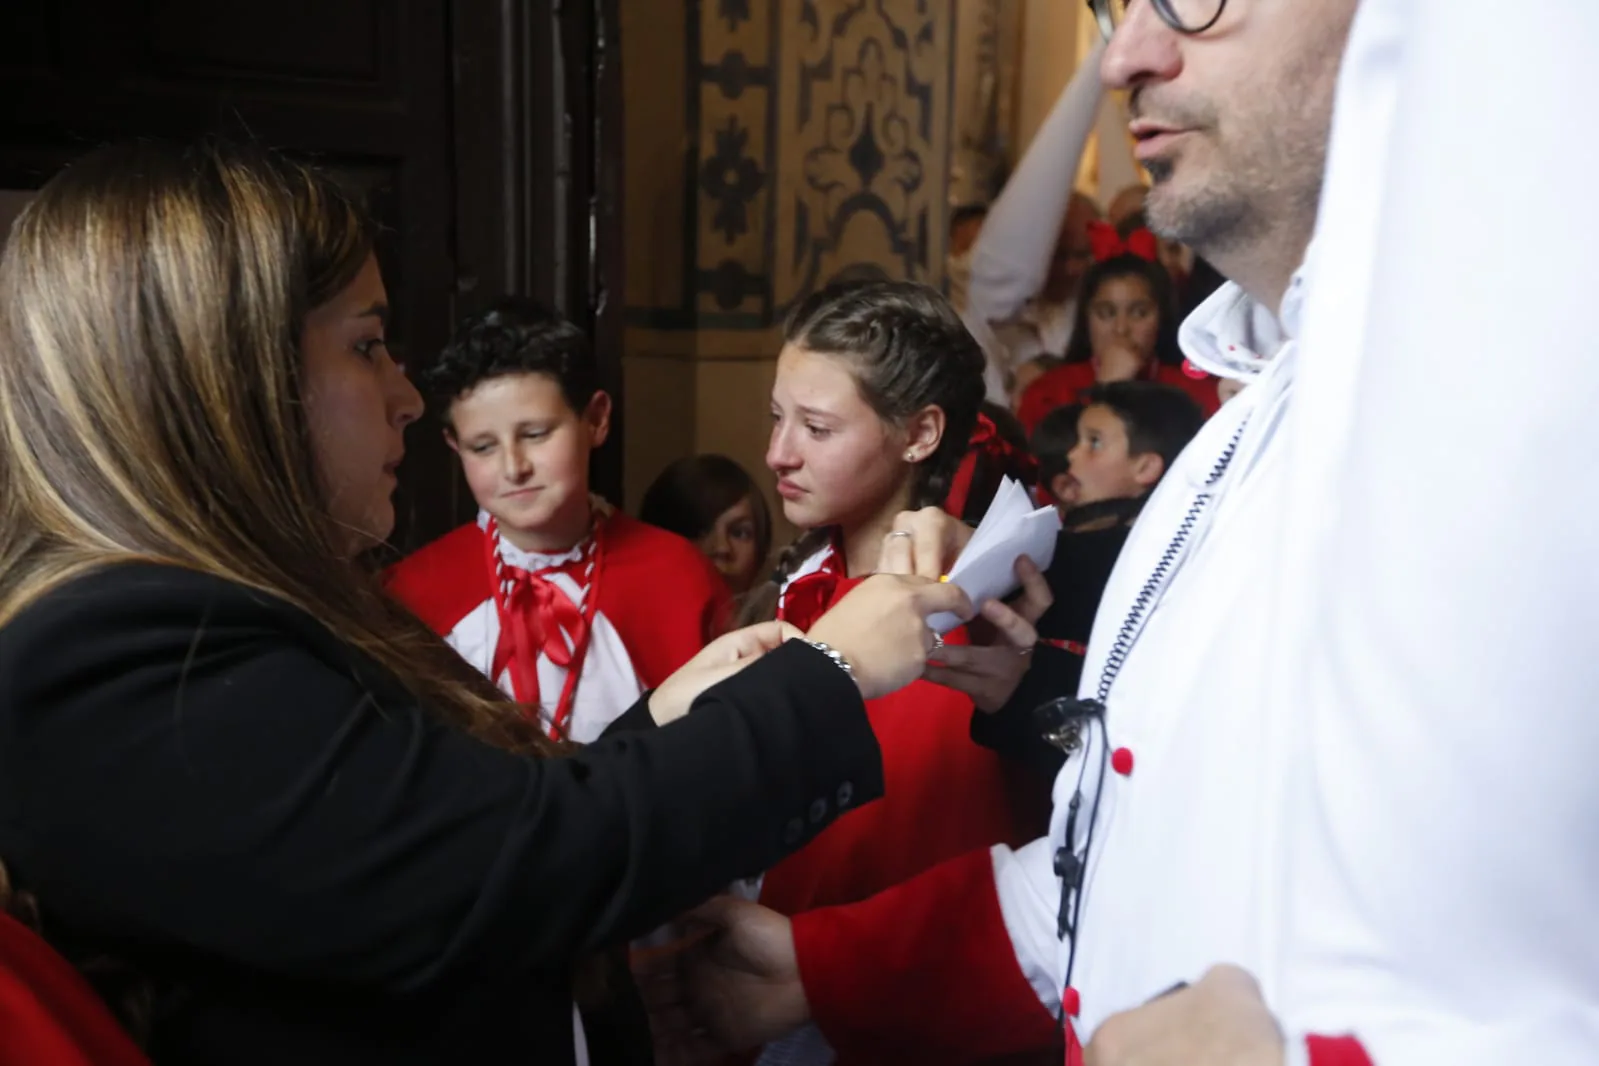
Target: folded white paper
{"x": 1010, "y": 529}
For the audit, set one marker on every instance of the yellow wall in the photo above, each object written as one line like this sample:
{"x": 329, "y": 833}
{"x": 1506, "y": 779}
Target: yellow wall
{"x": 1057, "y": 37}
{"x": 765, "y": 151}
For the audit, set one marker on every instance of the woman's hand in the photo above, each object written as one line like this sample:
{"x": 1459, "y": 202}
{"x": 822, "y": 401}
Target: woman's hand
{"x": 880, "y": 628}
{"x": 718, "y": 660}
{"x": 1002, "y": 639}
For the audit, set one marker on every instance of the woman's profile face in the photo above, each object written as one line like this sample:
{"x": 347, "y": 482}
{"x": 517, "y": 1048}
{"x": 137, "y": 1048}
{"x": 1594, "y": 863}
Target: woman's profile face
{"x": 358, "y": 402}
{"x": 836, "y": 461}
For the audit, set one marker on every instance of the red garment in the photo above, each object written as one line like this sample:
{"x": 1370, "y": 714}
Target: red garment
{"x": 1069, "y": 383}
{"x": 925, "y": 972}
{"x": 1336, "y": 1051}
{"x": 659, "y": 593}
{"x": 944, "y": 796}
{"x": 49, "y": 1013}
{"x": 987, "y": 443}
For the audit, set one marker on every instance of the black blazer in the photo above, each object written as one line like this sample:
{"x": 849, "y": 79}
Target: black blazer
{"x": 200, "y": 780}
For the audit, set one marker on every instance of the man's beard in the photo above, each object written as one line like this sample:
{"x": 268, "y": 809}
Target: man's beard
{"x": 1210, "y": 220}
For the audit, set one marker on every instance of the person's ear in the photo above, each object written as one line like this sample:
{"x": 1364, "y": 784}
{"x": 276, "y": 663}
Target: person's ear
{"x": 450, "y": 439}
{"x": 924, "y": 430}
{"x": 1148, "y": 469}
{"x": 597, "y": 416}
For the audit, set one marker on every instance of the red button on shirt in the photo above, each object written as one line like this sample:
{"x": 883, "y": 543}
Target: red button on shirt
{"x": 1069, "y": 1002}
{"x": 1121, "y": 760}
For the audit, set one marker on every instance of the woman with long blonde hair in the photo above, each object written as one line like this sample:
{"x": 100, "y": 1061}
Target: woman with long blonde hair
{"x": 229, "y": 762}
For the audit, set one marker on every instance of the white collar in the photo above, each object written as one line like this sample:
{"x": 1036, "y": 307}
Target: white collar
{"x": 533, "y": 562}
{"x": 811, "y": 564}
{"x": 1233, "y": 335}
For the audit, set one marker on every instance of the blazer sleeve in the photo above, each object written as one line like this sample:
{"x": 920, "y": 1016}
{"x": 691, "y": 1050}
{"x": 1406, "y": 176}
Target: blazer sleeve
{"x": 188, "y": 773}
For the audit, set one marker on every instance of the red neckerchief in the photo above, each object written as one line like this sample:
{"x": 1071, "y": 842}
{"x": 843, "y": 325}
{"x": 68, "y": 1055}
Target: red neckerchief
{"x": 536, "y": 617}
{"x": 807, "y": 598}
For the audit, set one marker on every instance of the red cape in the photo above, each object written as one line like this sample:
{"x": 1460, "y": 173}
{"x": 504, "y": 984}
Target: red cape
{"x": 944, "y": 796}
{"x": 660, "y": 594}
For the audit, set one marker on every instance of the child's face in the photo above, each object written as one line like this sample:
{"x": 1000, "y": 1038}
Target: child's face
{"x": 1100, "y": 465}
{"x": 730, "y": 545}
{"x": 1123, "y": 311}
{"x": 525, "y": 454}
{"x": 836, "y": 462}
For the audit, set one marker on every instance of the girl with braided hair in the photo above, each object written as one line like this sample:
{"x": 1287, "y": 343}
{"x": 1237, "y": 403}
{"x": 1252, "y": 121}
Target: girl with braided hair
{"x": 877, "y": 392}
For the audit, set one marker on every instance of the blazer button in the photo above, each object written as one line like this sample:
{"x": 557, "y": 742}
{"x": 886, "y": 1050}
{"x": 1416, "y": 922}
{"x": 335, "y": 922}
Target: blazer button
{"x": 846, "y": 793}
{"x": 818, "y": 811}
{"x": 793, "y": 831}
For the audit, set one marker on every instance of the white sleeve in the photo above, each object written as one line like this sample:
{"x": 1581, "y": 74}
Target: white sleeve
{"x": 1029, "y": 893}
{"x": 1017, "y": 242}
{"x": 1442, "y": 651}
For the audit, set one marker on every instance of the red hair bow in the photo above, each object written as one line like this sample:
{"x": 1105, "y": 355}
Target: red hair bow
{"x": 987, "y": 440}
{"x": 1106, "y": 243}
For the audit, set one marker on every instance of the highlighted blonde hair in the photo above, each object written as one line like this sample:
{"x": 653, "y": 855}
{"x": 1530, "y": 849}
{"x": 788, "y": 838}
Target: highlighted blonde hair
{"x": 151, "y": 307}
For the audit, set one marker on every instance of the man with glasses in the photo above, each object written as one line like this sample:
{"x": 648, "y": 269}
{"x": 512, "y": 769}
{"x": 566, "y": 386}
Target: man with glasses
{"x": 1163, "y": 854}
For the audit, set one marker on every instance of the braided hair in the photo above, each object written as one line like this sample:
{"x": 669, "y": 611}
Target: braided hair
{"x": 907, "y": 349}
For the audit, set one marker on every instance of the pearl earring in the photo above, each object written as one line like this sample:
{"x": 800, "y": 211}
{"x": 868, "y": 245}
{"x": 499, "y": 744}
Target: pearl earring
{"x": 910, "y": 457}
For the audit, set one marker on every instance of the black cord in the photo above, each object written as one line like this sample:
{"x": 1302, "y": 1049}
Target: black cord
{"x": 1062, "y": 720}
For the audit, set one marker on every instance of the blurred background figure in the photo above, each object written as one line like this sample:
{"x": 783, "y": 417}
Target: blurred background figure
{"x": 712, "y": 501}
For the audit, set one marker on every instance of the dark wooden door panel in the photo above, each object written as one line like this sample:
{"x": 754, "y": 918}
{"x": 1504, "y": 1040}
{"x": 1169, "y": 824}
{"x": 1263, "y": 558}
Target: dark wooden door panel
{"x": 473, "y": 126}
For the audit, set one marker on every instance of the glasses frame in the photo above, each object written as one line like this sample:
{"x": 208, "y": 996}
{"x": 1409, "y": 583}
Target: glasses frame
{"x": 1107, "y": 28}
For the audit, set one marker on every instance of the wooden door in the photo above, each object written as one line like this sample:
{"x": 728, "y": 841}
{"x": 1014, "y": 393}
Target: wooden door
{"x": 480, "y": 129}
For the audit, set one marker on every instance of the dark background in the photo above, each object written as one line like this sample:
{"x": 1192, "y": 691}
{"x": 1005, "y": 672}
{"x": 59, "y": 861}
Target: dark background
{"x": 487, "y": 134}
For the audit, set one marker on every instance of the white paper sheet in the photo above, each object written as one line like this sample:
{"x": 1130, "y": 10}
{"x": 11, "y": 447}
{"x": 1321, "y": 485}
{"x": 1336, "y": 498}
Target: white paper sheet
{"x": 1011, "y": 528}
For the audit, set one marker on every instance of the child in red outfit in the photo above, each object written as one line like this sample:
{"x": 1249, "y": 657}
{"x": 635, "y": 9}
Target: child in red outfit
{"x": 571, "y": 608}
{"x": 877, "y": 392}
{"x": 1126, "y": 330}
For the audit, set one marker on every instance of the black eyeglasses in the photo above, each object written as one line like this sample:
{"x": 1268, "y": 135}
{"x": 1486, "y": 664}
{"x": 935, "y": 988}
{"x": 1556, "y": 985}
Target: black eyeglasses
{"x": 1184, "y": 16}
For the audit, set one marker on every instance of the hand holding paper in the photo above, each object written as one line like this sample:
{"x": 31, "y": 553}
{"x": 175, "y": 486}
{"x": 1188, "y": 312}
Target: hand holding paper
{"x": 1011, "y": 528}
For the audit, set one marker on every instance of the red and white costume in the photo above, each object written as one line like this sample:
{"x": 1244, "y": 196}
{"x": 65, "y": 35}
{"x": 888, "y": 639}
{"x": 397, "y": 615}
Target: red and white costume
{"x": 944, "y": 796}
{"x": 628, "y": 605}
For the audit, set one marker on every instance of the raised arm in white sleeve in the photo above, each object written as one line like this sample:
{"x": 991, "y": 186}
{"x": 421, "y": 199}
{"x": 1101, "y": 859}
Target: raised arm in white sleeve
{"x": 1443, "y": 604}
{"x": 1013, "y": 251}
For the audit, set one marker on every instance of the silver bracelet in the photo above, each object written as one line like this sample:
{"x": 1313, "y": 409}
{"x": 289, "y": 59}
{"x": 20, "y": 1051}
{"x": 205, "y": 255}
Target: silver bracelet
{"x": 833, "y": 654}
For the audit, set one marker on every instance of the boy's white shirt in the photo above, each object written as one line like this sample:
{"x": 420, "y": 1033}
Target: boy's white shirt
{"x": 1363, "y": 713}
{"x": 609, "y": 684}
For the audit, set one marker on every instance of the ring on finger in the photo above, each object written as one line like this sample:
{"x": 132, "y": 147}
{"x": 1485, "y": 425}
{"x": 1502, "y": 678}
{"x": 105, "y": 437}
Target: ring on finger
{"x": 898, "y": 533}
